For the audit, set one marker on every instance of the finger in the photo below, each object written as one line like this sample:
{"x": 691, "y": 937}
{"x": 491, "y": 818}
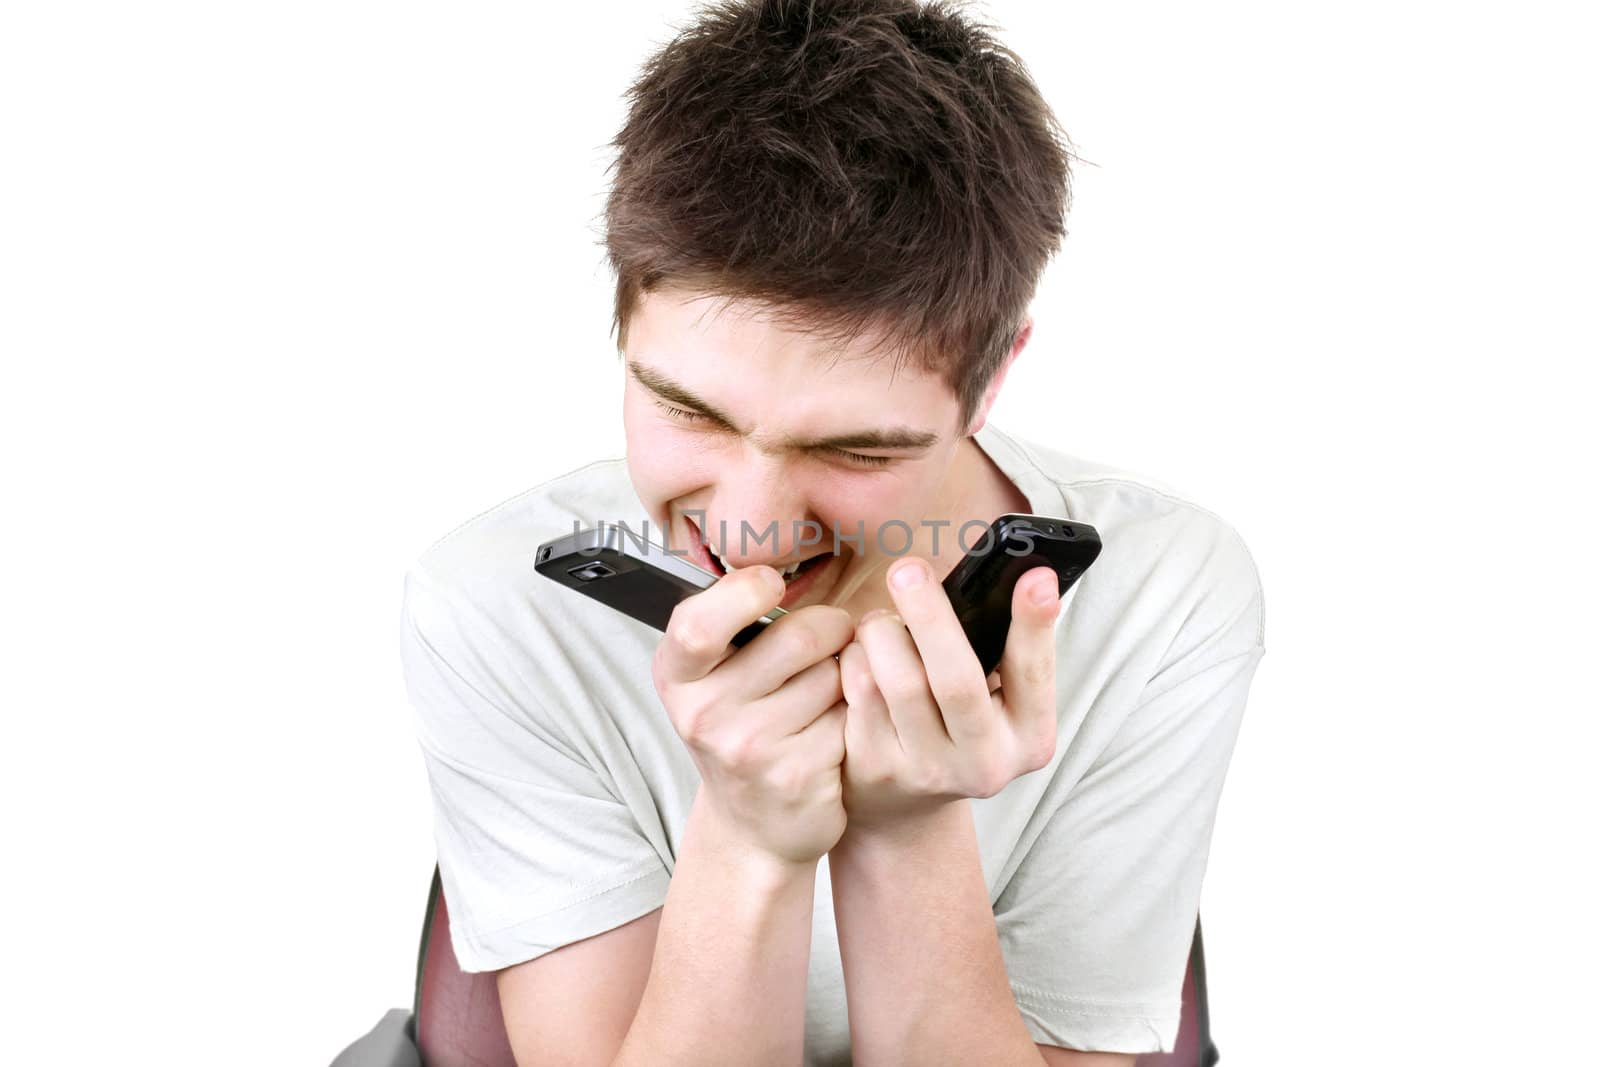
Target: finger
{"x": 1028, "y": 665}
{"x": 701, "y": 626}
{"x": 822, "y": 741}
{"x": 898, "y": 673}
{"x": 954, "y": 675}
{"x": 799, "y": 701}
{"x": 810, "y": 635}
{"x": 869, "y": 721}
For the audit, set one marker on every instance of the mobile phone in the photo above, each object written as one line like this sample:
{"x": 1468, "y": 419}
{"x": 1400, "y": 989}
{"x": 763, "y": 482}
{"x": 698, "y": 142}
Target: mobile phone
{"x": 981, "y": 586}
{"x": 619, "y": 568}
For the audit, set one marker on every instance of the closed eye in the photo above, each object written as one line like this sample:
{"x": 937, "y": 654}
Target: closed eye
{"x": 680, "y": 413}
{"x": 854, "y": 457}
{"x": 866, "y": 461}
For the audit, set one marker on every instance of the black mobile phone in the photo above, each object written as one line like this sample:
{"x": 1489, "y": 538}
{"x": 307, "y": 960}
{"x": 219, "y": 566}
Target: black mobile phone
{"x": 981, "y": 586}
{"x": 623, "y": 570}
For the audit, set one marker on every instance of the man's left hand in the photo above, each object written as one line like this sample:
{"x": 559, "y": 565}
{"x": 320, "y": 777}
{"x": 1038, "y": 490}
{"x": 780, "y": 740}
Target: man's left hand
{"x": 924, "y": 726}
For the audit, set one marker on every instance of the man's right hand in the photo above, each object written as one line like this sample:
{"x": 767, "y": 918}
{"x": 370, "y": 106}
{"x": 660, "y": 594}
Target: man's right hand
{"x": 764, "y": 723}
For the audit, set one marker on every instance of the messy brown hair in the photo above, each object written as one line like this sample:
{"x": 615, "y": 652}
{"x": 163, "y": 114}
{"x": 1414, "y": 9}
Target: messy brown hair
{"x": 879, "y": 169}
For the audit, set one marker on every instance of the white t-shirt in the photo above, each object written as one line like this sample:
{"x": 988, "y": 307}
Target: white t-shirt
{"x": 561, "y": 790}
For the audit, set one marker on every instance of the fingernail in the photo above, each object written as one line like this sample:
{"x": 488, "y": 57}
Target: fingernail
{"x": 775, "y": 580}
{"x": 909, "y": 576}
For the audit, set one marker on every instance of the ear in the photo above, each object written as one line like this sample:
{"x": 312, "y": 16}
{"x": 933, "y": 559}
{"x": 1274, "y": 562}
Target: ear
{"x": 981, "y": 416}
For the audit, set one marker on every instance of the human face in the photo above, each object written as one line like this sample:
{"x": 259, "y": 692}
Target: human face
{"x": 730, "y": 414}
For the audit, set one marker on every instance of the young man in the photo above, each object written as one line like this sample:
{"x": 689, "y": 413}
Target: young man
{"x": 827, "y": 222}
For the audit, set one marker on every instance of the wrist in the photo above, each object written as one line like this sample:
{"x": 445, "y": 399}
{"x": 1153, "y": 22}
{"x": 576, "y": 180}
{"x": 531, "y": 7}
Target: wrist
{"x": 756, "y": 867}
{"x": 912, "y": 832}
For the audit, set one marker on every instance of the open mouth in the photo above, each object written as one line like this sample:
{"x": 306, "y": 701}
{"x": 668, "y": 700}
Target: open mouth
{"x": 800, "y": 570}
{"x": 709, "y": 559}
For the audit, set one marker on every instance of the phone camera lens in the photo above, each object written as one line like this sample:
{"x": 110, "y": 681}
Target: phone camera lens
{"x": 590, "y": 571}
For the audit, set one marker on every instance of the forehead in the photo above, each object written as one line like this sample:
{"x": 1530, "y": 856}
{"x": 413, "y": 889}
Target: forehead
{"x": 714, "y": 339}
{"x": 779, "y": 385}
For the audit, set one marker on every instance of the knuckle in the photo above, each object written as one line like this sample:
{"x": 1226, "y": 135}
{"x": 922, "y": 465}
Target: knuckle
{"x": 740, "y": 751}
{"x": 1038, "y": 672}
{"x": 924, "y": 780}
{"x": 693, "y": 637}
{"x": 787, "y": 783}
{"x": 837, "y": 624}
{"x": 836, "y": 733}
{"x": 872, "y": 771}
{"x": 693, "y": 720}
{"x": 803, "y": 643}
{"x": 900, "y": 687}
{"x": 829, "y": 682}
{"x": 961, "y": 693}
{"x": 831, "y": 627}
{"x": 838, "y": 715}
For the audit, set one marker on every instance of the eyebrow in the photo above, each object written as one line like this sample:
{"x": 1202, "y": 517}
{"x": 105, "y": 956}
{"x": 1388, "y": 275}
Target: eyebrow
{"x": 896, "y": 437}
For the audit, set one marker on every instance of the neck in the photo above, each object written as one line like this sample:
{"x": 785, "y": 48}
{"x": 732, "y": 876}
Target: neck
{"x": 978, "y": 491}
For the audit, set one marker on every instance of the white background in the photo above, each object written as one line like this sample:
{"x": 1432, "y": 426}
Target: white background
{"x": 290, "y": 290}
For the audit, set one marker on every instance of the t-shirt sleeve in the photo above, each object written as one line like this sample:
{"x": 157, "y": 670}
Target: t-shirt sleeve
{"x": 1096, "y": 923}
{"x": 535, "y": 850}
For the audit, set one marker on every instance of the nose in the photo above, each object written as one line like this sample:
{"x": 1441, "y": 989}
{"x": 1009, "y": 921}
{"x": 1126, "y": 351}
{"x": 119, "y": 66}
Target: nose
{"x": 759, "y": 513}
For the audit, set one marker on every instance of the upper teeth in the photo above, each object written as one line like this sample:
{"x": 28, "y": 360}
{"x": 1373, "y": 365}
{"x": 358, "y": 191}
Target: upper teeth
{"x": 786, "y": 571}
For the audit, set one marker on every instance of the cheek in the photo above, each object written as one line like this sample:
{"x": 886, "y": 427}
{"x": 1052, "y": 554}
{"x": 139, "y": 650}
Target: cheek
{"x": 663, "y": 463}
{"x": 874, "y": 501}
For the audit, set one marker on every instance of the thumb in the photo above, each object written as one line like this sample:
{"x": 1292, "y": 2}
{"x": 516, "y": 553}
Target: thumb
{"x": 1038, "y": 596}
